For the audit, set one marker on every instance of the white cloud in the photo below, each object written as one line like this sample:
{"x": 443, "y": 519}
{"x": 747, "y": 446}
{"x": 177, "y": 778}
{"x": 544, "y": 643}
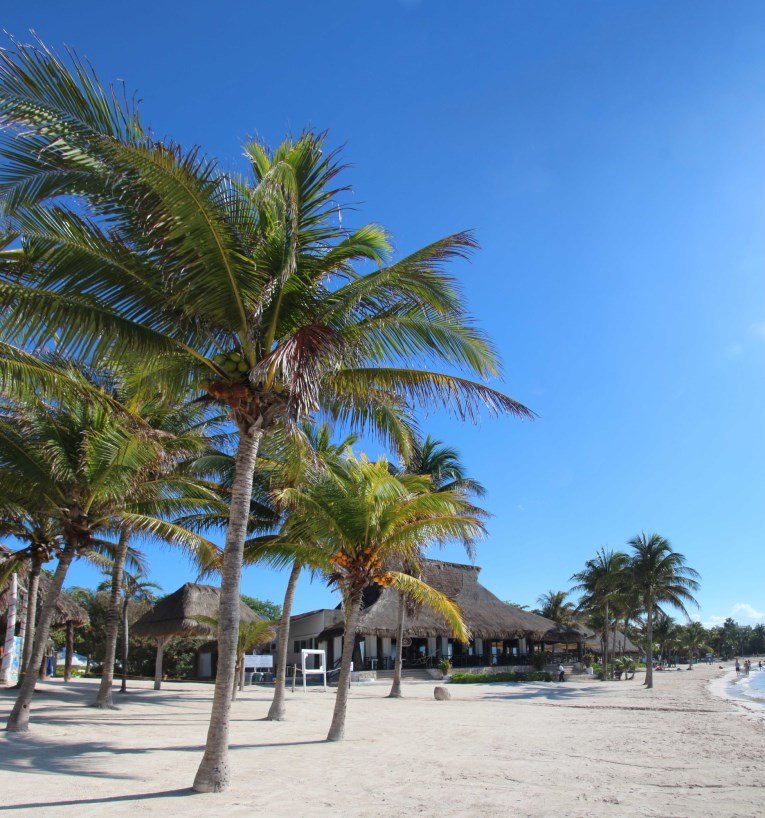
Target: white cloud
{"x": 742, "y": 612}
{"x": 758, "y": 330}
{"x": 747, "y": 611}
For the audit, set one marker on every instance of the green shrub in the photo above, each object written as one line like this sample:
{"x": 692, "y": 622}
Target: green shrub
{"x": 445, "y": 666}
{"x": 76, "y": 671}
{"x": 485, "y": 678}
{"x": 538, "y": 661}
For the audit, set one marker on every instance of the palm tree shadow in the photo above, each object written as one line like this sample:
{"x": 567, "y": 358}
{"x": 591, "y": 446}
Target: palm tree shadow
{"x": 110, "y": 799}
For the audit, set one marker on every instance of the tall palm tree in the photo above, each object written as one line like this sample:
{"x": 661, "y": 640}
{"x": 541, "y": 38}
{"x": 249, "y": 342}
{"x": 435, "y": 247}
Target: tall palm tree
{"x": 600, "y": 583}
{"x": 246, "y": 292}
{"x": 135, "y": 589}
{"x": 366, "y": 519}
{"x": 443, "y": 465}
{"x": 82, "y": 464}
{"x": 661, "y": 577}
{"x": 553, "y": 605}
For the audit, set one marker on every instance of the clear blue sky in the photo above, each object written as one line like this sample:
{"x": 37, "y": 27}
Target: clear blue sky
{"x": 611, "y": 159}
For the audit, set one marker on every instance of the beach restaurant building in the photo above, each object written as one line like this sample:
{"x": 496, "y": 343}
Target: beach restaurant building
{"x": 502, "y": 634}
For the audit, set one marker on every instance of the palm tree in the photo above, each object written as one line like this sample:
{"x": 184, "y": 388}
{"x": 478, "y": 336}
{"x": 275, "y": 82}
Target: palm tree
{"x": 553, "y": 605}
{"x": 251, "y": 634}
{"x": 366, "y": 519}
{"x": 246, "y": 293}
{"x": 81, "y": 465}
{"x": 294, "y": 465}
{"x": 660, "y": 576}
{"x": 135, "y": 589}
{"x": 600, "y": 583}
{"x": 444, "y": 466}
{"x": 693, "y": 638}
{"x": 182, "y": 432}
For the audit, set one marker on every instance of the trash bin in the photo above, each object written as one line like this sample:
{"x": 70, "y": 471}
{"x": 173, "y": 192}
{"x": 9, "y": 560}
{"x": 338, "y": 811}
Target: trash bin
{"x": 248, "y": 674}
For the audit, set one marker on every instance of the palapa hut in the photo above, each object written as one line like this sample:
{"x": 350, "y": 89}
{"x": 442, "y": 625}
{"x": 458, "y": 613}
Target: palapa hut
{"x": 178, "y": 615}
{"x": 619, "y": 644}
{"x": 502, "y": 634}
{"x": 68, "y": 615}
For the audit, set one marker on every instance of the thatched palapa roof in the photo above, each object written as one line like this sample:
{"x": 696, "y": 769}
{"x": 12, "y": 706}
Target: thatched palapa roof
{"x": 177, "y": 614}
{"x": 618, "y": 642}
{"x": 486, "y": 615}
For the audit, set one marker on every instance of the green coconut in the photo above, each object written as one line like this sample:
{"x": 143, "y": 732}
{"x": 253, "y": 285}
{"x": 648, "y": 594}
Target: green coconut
{"x": 235, "y": 356}
{"x": 243, "y": 366}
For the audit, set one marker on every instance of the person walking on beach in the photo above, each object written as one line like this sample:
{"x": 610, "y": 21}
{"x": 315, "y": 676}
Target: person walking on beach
{"x": 561, "y": 673}
{"x": 738, "y": 668}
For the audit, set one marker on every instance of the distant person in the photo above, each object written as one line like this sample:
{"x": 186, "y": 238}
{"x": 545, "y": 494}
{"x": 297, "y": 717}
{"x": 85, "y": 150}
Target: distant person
{"x": 747, "y": 665}
{"x": 738, "y": 668}
{"x": 561, "y": 673}
{"x": 760, "y": 664}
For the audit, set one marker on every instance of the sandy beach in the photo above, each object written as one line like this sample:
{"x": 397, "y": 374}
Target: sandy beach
{"x": 580, "y": 748}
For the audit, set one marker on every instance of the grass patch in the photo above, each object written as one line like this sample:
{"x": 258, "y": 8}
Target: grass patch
{"x": 483, "y": 678}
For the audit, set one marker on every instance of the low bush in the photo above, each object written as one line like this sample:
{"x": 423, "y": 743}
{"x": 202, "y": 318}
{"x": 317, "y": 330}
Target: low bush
{"x": 485, "y": 678}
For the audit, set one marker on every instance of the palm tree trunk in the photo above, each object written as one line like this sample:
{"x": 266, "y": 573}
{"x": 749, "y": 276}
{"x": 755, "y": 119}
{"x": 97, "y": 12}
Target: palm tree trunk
{"x": 125, "y": 645}
{"x": 235, "y": 686}
{"x": 352, "y": 610}
{"x": 19, "y": 719}
{"x": 213, "y": 774}
{"x": 32, "y": 594}
{"x": 605, "y": 647}
{"x": 649, "y": 647}
{"x": 395, "y": 689}
{"x": 277, "y": 710}
{"x": 10, "y": 628}
{"x": 69, "y": 651}
{"x": 104, "y": 697}
{"x": 161, "y": 642}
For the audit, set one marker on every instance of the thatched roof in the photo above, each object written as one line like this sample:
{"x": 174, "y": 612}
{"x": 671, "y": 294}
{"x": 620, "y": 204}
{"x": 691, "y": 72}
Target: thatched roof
{"x": 617, "y": 642}
{"x": 485, "y": 614}
{"x": 67, "y": 610}
{"x": 176, "y": 614}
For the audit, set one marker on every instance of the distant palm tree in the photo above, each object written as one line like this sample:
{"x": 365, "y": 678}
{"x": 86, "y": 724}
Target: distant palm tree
{"x": 251, "y": 634}
{"x": 660, "y": 576}
{"x": 135, "y": 589}
{"x": 366, "y": 519}
{"x": 243, "y": 292}
{"x": 600, "y": 584}
{"x": 693, "y": 638}
{"x": 553, "y": 605}
{"x": 443, "y": 465}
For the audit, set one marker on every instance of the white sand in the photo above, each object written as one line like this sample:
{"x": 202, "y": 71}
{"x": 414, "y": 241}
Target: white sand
{"x": 581, "y": 748}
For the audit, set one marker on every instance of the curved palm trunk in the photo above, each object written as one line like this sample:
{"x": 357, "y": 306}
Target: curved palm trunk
{"x": 10, "y": 628}
{"x": 352, "y": 610}
{"x": 29, "y": 633}
{"x": 213, "y": 774}
{"x": 104, "y": 697}
{"x": 19, "y": 718}
{"x": 395, "y": 689}
{"x": 125, "y": 645}
{"x": 277, "y": 710}
{"x": 649, "y": 647}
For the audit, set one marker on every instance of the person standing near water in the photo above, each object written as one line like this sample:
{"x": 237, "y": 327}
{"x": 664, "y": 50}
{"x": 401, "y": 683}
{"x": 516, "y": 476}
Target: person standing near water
{"x": 738, "y": 668}
{"x": 561, "y": 673}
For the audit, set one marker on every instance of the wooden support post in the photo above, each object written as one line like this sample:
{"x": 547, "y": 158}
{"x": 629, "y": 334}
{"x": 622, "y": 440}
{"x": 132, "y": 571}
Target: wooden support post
{"x": 161, "y": 642}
